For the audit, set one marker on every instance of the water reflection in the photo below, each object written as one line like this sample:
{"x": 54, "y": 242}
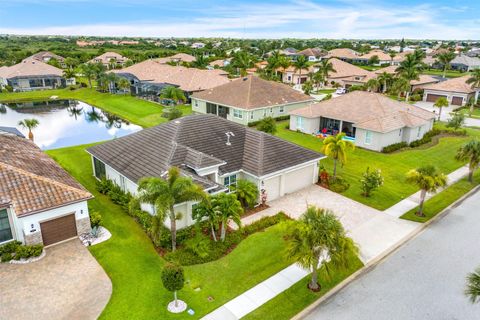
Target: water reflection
{"x": 66, "y": 122}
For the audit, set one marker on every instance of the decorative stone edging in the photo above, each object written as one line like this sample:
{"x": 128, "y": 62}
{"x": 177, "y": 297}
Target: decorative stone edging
{"x": 88, "y": 240}
{"x": 29, "y": 260}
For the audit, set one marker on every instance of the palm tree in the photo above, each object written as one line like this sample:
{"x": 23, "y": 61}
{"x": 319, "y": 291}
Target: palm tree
{"x": 470, "y": 152}
{"x": 325, "y": 67}
{"x": 385, "y": 78}
{"x": 318, "y": 234}
{"x": 445, "y": 58}
{"x": 228, "y": 208}
{"x": 284, "y": 63}
{"x": 247, "y": 192}
{"x": 300, "y": 64}
{"x": 410, "y": 69}
{"x": 200, "y": 62}
{"x": 273, "y": 62}
{"x": 124, "y": 84}
{"x": 400, "y": 85}
{"x": 205, "y": 211}
{"x": 428, "y": 179}
{"x": 392, "y": 55}
{"x": 372, "y": 85}
{"x": 173, "y": 93}
{"x": 336, "y": 148}
{"x": 164, "y": 194}
{"x": 242, "y": 61}
{"x": 474, "y": 81}
{"x": 68, "y": 74}
{"x": 29, "y": 124}
{"x": 88, "y": 72}
{"x": 440, "y": 103}
{"x": 473, "y": 286}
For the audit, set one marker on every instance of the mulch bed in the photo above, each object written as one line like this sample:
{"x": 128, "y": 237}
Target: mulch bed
{"x": 257, "y": 209}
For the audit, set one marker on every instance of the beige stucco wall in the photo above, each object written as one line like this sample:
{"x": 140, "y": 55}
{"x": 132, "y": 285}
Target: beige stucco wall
{"x": 449, "y": 95}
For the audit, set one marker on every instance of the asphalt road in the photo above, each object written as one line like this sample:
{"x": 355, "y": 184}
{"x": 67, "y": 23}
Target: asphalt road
{"x": 424, "y": 279}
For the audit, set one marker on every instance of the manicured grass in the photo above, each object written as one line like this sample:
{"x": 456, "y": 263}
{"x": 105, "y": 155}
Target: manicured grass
{"x": 135, "y": 110}
{"x": 134, "y": 266}
{"x": 325, "y": 91}
{"x": 448, "y": 74}
{"x": 466, "y": 112}
{"x": 393, "y": 166}
{"x": 443, "y": 199}
{"x": 298, "y": 297}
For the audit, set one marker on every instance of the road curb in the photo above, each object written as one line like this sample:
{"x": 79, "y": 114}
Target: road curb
{"x": 373, "y": 263}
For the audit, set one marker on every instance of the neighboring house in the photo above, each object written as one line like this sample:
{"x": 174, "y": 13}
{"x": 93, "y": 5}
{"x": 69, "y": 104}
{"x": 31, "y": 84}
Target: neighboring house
{"x": 347, "y": 74}
{"x": 177, "y": 58}
{"x": 46, "y": 56}
{"x": 198, "y": 45}
{"x": 11, "y": 131}
{"x": 293, "y": 75}
{"x": 344, "y": 54}
{"x": 249, "y": 99}
{"x": 40, "y": 203}
{"x": 312, "y": 54}
{"x": 423, "y": 79}
{"x": 371, "y": 120}
{"x": 457, "y": 91}
{"x": 465, "y": 63}
{"x": 31, "y": 74}
{"x": 214, "y": 152}
{"x": 383, "y": 57}
{"x": 110, "y": 60}
{"x": 220, "y": 63}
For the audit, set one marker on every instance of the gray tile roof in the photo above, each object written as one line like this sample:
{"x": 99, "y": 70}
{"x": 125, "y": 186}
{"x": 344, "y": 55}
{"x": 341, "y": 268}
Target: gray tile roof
{"x": 11, "y": 130}
{"x": 199, "y": 141}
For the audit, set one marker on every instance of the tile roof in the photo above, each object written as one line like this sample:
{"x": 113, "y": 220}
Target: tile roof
{"x": 151, "y": 152}
{"x": 309, "y": 52}
{"x": 11, "y": 131}
{"x": 252, "y": 92}
{"x": 423, "y": 78}
{"x": 188, "y": 79}
{"x": 107, "y": 56}
{"x": 184, "y": 57}
{"x": 368, "y": 110}
{"x": 466, "y": 60}
{"x": 382, "y": 56}
{"x": 40, "y": 56}
{"x": 343, "y": 53}
{"x": 30, "y": 67}
{"x": 347, "y": 70}
{"x": 459, "y": 85}
{"x": 31, "y": 181}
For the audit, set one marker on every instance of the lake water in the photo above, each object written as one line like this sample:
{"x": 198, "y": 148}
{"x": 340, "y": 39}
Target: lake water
{"x": 65, "y": 123}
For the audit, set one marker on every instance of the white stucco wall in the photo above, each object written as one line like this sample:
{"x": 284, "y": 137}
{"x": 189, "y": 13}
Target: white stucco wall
{"x": 309, "y": 125}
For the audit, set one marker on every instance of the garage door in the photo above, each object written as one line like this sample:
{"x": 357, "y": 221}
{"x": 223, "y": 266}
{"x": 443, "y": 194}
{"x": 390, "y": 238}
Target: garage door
{"x": 272, "y": 186}
{"x": 59, "y": 229}
{"x": 299, "y": 179}
{"x": 434, "y": 97}
{"x": 457, "y": 101}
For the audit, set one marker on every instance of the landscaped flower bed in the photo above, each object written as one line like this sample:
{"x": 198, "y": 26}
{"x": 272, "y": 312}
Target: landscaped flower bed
{"x": 16, "y": 251}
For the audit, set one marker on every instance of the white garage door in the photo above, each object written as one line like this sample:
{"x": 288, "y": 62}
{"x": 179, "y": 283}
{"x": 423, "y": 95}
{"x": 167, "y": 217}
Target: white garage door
{"x": 272, "y": 186}
{"x": 299, "y": 179}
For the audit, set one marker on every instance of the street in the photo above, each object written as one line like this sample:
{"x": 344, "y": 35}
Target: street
{"x": 424, "y": 279}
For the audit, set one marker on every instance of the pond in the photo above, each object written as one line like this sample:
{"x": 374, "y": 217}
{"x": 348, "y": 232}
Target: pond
{"x": 65, "y": 123}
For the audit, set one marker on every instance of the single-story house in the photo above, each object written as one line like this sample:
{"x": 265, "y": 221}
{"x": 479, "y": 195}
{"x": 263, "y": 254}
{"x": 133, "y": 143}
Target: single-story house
{"x": 249, "y": 99}
{"x": 40, "y": 203}
{"x": 31, "y": 74}
{"x": 177, "y": 58}
{"x": 46, "y": 56}
{"x": 344, "y": 54}
{"x": 347, "y": 74}
{"x": 371, "y": 120}
{"x": 213, "y": 152}
{"x": 220, "y": 63}
{"x": 423, "y": 79}
{"x": 293, "y": 75}
{"x": 11, "y": 131}
{"x": 465, "y": 63}
{"x": 312, "y": 54}
{"x": 383, "y": 58}
{"x": 110, "y": 60}
{"x": 457, "y": 91}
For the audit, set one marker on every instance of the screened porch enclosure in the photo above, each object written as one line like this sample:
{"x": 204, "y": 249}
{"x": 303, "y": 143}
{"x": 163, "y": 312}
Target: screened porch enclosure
{"x": 334, "y": 126}
{"x": 218, "y": 110}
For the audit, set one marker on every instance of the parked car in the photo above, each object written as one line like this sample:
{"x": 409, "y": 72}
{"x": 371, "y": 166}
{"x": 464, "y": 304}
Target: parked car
{"x": 341, "y": 91}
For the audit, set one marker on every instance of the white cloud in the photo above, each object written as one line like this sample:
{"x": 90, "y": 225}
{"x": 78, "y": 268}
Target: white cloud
{"x": 298, "y": 18}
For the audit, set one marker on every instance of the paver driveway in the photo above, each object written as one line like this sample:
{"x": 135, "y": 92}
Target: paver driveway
{"x": 67, "y": 283}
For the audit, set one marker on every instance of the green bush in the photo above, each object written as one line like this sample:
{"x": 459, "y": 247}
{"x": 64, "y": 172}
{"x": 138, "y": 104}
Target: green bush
{"x": 10, "y": 247}
{"x": 281, "y": 118}
{"x": 394, "y": 147}
{"x": 6, "y": 257}
{"x": 95, "y": 219}
{"x": 415, "y": 97}
{"x": 15, "y": 250}
{"x": 104, "y": 185}
{"x": 268, "y": 125}
{"x": 338, "y": 184}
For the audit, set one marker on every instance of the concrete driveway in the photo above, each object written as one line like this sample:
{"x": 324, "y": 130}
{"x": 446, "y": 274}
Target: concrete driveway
{"x": 447, "y": 113}
{"x": 67, "y": 283}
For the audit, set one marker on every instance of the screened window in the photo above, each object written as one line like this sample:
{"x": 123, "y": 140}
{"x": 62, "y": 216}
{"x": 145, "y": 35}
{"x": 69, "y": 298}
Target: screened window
{"x": 230, "y": 180}
{"x": 35, "y": 83}
{"x": 368, "y": 137}
{"x": 237, "y": 113}
{"x": 5, "y": 229}
{"x": 99, "y": 168}
{"x": 282, "y": 109}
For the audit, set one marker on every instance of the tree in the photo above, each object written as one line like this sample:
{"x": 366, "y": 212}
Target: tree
{"x": 473, "y": 286}
{"x": 400, "y": 85}
{"x": 372, "y": 85}
{"x": 371, "y": 181}
{"x": 457, "y": 121}
{"x": 428, "y": 179}
{"x": 205, "y": 210}
{"x": 228, "y": 208}
{"x": 440, "y": 103}
{"x": 392, "y": 55}
{"x": 164, "y": 194}
{"x": 274, "y": 62}
{"x": 88, "y": 71}
{"x": 284, "y": 63}
{"x": 445, "y": 58}
{"x": 316, "y": 235}
{"x": 410, "y": 69}
{"x": 247, "y": 192}
{"x": 173, "y": 279}
{"x": 173, "y": 93}
{"x": 29, "y": 124}
{"x": 71, "y": 63}
{"x": 385, "y": 78}
{"x": 124, "y": 84}
{"x": 474, "y": 81}
{"x": 300, "y": 64}
{"x": 268, "y": 125}
{"x": 325, "y": 67}
{"x": 242, "y": 61}
{"x": 373, "y": 60}
{"x": 470, "y": 152}
{"x": 307, "y": 87}
{"x": 337, "y": 148}
{"x": 200, "y": 62}
{"x": 68, "y": 74}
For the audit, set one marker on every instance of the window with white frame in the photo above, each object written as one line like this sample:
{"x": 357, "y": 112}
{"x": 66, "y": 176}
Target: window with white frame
{"x": 368, "y": 137}
{"x": 299, "y": 123}
{"x": 123, "y": 183}
{"x": 281, "y": 109}
{"x": 229, "y": 181}
{"x": 5, "y": 229}
{"x": 237, "y": 114}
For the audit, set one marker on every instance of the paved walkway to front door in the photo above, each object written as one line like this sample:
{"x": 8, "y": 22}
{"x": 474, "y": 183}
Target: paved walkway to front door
{"x": 68, "y": 283}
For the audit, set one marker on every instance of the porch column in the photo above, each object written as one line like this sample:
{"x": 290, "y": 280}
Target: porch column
{"x": 43, "y": 82}
{"x": 340, "y": 127}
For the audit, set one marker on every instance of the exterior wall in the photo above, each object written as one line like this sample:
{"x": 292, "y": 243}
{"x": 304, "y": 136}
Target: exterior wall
{"x": 310, "y": 125}
{"x": 376, "y": 143}
{"x": 23, "y": 84}
{"x": 294, "y": 78}
{"x": 449, "y": 95}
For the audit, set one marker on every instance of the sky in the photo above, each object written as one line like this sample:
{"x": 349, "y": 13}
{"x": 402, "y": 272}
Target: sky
{"x": 346, "y": 19}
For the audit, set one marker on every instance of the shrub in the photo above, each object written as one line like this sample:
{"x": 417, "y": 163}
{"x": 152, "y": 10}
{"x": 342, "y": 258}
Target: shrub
{"x": 415, "y": 97}
{"x": 338, "y": 184}
{"x": 95, "y": 219}
{"x": 268, "y": 125}
{"x": 394, "y": 147}
{"x": 173, "y": 278}
{"x": 172, "y": 113}
{"x": 104, "y": 185}
{"x": 456, "y": 121}
{"x": 281, "y": 118}
{"x": 10, "y": 247}
{"x": 246, "y": 192}
{"x": 327, "y": 97}
{"x": 371, "y": 181}
{"x": 198, "y": 245}
{"x": 6, "y": 257}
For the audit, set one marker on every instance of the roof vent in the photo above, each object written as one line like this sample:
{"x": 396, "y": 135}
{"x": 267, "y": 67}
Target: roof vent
{"x": 177, "y": 121}
{"x": 229, "y": 134}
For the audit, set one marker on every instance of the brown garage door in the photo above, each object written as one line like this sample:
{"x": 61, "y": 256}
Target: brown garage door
{"x": 59, "y": 229}
{"x": 434, "y": 97}
{"x": 457, "y": 101}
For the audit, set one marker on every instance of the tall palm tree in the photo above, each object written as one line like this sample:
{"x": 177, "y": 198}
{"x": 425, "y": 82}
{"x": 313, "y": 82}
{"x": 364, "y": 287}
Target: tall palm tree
{"x": 318, "y": 234}
{"x": 204, "y": 210}
{"x": 410, "y": 69}
{"x": 29, "y": 124}
{"x": 300, "y": 64}
{"x": 473, "y": 286}
{"x": 173, "y": 93}
{"x": 337, "y": 148}
{"x": 440, "y": 103}
{"x": 400, "y": 85}
{"x": 428, "y": 179}
{"x": 284, "y": 63}
{"x": 228, "y": 208}
{"x": 372, "y": 85}
{"x": 474, "y": 81}
{"x": 242, "y": 61}
{"x": 88, "y": 71}
{"x": 124, "y": 84}
{"x": 385, "y": 78}
{"x": 392, "y": 55}
{"x": 445, "y": 58}
{"x": 325, "y": 67}
{"x": 470, "y": 152}
{"x": 164, "y": 194}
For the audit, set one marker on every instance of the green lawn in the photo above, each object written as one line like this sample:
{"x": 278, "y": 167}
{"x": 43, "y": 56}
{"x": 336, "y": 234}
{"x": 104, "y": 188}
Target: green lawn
{"x": 137, "y": 111}
{"x": 134, "y": 266}
{"x": 448, "y": 74}
{"x": 475, "y": 113}
{"x": 443, "y": 199}
{"x": 393, "y": 166}
{"x": 325, "y": 91}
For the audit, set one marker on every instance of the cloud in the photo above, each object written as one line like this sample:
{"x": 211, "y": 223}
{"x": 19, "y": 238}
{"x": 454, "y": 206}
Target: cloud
{"x": 297, "y": 18}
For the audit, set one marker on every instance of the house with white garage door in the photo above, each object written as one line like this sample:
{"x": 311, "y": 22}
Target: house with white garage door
{"x": 40, "y": 203}
{"x": 213, "y": 152}
{"x": 457, "y": 91}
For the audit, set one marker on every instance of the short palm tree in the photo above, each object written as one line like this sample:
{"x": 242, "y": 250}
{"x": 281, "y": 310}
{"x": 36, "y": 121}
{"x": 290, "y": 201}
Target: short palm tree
{"x": 204, "y": 210}
{"x": 88, "y": 71}
{"x": 173, "y": 93}
{"x": 242, "y": 61}
{"x": 372, "y": 85}
{"x": 337, "y": 148}
{"x": 315, "y": 237}
{"x": 325, "y": 67}
{"x": 124, "y": 84}
{"x": 300, "y": 64}
{"x": 385, "y": 78}
{"x": 228, "y": 208}
{"x": 200, "y": 61}
{"x": 473, "y": 286}
{"x": 68, "y": 73}
{"x": 247, "y": 192}
{"x": 284, "y": 63}
{"x": 273, "y": 62}
{"x": 440, "y": 103}
{"x": 29, "y": 124}
{"x": 474, "y": 81}
{"x": 445, "y": 58}
{"x": 164, "y": 194}
{"x": 400, "y": 85}
{"x": 428, "y": 179}
{"x": 470, "y": 152}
